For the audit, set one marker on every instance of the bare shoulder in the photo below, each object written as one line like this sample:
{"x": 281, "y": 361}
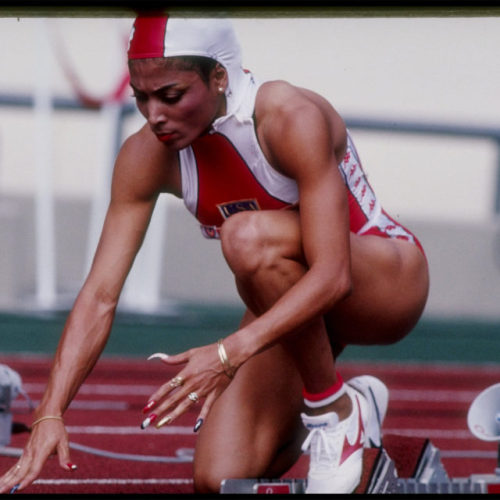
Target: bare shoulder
{"x": 145, "y": 167}
{"x": 285, "y": 112}
{"x": 281, "y": 96}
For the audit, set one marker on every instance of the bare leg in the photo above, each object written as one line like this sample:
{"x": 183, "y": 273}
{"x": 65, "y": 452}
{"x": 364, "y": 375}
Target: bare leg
{"x": 390, "y": 288}
{"x": 267, "y": 260}
{"x": 252, "y": 421}
{"x": 257, "y": 418}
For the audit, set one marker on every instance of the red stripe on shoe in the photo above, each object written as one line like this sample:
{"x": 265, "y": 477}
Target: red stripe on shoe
{"x": 348, "y": 449}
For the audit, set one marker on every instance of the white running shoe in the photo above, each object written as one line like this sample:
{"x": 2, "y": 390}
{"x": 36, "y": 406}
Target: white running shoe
{"x": 336, "y": 447}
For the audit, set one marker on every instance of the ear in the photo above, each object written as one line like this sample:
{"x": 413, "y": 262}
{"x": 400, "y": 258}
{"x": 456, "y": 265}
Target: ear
{"x": 220, "y": 79}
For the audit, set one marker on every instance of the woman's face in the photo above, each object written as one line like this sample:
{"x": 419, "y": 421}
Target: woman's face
{"x": 178, "y": 105}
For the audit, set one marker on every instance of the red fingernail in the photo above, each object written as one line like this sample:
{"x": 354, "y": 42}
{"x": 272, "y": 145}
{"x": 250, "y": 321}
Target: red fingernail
{"x": 71, "y": 466}
{"x": 148, "y": 406}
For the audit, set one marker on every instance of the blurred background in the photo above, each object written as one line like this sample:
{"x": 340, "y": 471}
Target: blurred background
{"x": 419, "y": 94}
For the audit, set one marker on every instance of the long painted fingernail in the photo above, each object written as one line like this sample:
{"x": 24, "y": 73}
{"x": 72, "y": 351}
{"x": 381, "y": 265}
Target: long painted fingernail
{"x": 149, "y": 406}
{"x": 164, "y": 421}
{"x": 160, "y": 355}
{"x": 71, "y": 466}
{"x": 198, "y": 424}
{"x": 14, "y": 488}
{"x": 149, "y": 420}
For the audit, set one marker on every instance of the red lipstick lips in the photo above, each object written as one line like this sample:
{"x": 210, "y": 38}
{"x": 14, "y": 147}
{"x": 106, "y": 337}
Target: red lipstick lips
{"x": 165, "y": 137}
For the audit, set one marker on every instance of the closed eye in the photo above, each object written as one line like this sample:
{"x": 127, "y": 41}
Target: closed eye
{"x": 171, "y": 98}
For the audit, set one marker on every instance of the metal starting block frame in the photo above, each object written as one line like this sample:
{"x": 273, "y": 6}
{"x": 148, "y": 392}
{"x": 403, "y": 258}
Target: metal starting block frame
{"x": 383, "y": 479}
{"x": 237, "y": 486}
{"x": 426, "y": 474}
{"x": 430, "y": 476}
{"x": 469, "y": 485}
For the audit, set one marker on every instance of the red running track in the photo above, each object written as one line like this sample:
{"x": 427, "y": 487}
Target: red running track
{"x": 426, "y": 400}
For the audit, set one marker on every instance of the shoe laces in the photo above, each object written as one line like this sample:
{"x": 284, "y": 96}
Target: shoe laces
{"x": 324, "y": 446}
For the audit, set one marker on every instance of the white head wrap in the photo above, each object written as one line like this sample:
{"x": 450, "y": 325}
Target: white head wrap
{"x": 166, "y": 36}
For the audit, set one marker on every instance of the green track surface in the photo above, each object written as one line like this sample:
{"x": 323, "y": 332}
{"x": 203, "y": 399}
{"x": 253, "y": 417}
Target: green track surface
{"x": 139, "y": 335}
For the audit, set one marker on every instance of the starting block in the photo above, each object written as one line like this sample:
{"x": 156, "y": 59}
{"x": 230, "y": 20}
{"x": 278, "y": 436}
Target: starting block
{"x": 378, "y": 476}
{"x": 407, "y": 464}
{"x": 418, "y": 464}
{"x": 403, "y": 465}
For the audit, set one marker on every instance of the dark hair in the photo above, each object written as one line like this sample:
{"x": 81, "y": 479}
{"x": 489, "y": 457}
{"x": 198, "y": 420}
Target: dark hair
{"x": 202, "y": 65}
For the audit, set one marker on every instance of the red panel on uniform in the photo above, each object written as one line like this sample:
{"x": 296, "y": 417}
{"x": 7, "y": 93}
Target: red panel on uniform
{"x": 226, "y": 184}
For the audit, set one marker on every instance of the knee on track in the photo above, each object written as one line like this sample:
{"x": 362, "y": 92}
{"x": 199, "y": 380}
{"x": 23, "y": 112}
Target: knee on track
{"x": 208, "y": 479}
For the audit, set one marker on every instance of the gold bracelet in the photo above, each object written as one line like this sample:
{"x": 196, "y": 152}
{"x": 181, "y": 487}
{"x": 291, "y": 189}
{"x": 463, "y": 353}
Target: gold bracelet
{"x": 55, "y": 417}
{"x": 228, "y": 369}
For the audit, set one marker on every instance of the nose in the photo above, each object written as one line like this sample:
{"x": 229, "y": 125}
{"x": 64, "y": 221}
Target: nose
{"x": 156, "y": 112}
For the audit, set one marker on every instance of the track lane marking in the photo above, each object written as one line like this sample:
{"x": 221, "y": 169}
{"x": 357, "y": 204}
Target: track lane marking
{"x": 188, "y": 430}
{"x": 128, "y": 430}
{"x": 431, "y": 433}
{"x": 55, "y": 482}
{"x": 105, "y": 389}
{"x": 448, "y": 395}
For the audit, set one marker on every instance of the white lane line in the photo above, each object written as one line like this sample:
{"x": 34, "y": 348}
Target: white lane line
{"x": 182, "y": 455}
{"x": 432, "y": 395}
{"x": 458, "y": 369}
{"x": 188, "y": 430}
{"x": 181, "y": 430}
{"x": 395, "y": 395}
{"x": 79, "y": 405}
{"x": 439, "y": 395}
{"x": 468, "y": 454}
{"x": 115, "y": 389}
{"x": 113, "y": 481}
{"x": 128, "y": 430}
{"x": 431, "y": 433}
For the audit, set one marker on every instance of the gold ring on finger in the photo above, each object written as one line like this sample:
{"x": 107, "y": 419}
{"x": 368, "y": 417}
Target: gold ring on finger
{"x": 193, "y": 397}
{"x": 176, "y": 382}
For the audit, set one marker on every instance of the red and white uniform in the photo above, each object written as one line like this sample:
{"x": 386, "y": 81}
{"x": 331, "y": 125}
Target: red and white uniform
{"x": 225, "y": 171}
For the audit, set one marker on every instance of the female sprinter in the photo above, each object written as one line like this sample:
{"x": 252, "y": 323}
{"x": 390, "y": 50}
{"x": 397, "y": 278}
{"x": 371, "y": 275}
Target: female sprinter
{"x": 271, "y": 171}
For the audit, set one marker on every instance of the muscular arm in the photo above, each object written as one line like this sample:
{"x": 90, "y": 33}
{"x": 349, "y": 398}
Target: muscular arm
{"x": 140, "y": 174}
{"x": 143, "y": 169}
{"x": 88, "y": 326}
{"x": 305, "y": 138}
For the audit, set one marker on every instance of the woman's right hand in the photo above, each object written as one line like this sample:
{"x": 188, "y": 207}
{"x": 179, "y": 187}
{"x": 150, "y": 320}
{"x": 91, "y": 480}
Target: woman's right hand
{"x": 47, "y": 437}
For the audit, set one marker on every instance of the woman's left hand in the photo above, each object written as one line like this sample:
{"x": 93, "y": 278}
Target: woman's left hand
{"x": 203, "y": 377}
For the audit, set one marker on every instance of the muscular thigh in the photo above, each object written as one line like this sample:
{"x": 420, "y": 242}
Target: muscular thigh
{"x": 389, "y": 276}
{"x": 389, "y": 292}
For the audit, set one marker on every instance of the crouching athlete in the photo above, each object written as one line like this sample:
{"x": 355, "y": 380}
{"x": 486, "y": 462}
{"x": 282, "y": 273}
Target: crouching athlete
{"x": 271, "y": 172}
